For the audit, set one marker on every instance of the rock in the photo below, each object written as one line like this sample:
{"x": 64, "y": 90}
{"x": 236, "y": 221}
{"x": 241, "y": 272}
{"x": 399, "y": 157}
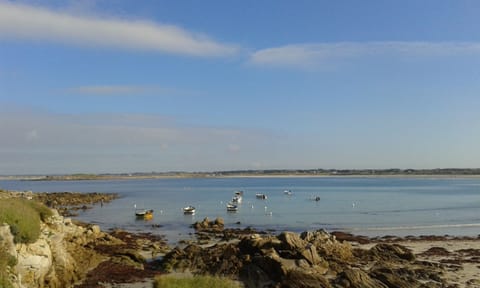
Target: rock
{"x": 312, "y": 259}
{"x": 254, "y": 277}
{"x": 319, "y": 236}
{"x": 127, "y": 261}
{"x": 392, "y": 252}
{"x": 219, "y": 221}
{"x": 310, "y": 254}
{"x": 299, "y": 279}
{"x": 6, "y": 240}
{"x": 356, "y": 278}
{"x": 256, "y": 243}
{"x": 292, "y": 241}
{"x": 96, "y": 230}
{"x": 394, "y": 278}
{"x": 34, "y": 262}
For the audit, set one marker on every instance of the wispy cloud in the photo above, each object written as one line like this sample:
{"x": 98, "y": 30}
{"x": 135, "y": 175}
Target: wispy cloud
{"x": 110, "y": 90}
{"x": 312, "y": 55}
{"x": 44, "y": 141}
{"x": 114, "y": 90}
{"x": 36, "y": 23}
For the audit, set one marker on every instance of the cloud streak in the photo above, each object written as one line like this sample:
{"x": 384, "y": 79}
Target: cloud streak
{"x": 35, "y": 23}
{"x": 43, "y": 142}
{"x": 312, "y": 55}
{"x": 114, "y": 90}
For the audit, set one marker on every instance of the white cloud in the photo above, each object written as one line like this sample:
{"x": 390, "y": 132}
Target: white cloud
{"x": 311, "y": 55}
{"x": 35, "y": 23}
{"x": 44, "y": 142}
{"x": 109, "y": 89}
{"x": 112, "y": 89}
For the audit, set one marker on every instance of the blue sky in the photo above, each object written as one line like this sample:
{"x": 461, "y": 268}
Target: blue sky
{"x": 127, "y": 86}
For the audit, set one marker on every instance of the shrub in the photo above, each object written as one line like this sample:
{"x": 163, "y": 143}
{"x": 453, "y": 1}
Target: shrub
{"x": 196, "y": 281}
{"x": 24, "y": 217}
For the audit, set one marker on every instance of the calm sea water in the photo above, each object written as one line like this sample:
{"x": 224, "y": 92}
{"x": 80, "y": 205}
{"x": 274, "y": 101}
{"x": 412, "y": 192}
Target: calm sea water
{"x": 367, "y": 206}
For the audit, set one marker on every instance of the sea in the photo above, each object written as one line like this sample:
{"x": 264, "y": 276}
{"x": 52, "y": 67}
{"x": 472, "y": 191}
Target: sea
{"x": 363, "y": 206}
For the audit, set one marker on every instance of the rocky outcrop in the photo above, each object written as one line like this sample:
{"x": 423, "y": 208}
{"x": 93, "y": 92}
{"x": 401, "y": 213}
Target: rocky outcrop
{"x": 58, "y": 258}
{"x": 66, "y": 254}
{"x": 206, "y": 225}
{"x": 311, "y": 259}
{"x": 68, "y": 202}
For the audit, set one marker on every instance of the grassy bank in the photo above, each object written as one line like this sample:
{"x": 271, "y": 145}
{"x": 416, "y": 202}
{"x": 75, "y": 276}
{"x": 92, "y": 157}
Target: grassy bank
{"x": 23, "y": 216}
{"x": 196, "y": 281}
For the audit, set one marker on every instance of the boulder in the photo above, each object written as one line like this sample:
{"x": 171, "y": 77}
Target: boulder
{"x": 34, "y": 262}
{"x": 398, "y": 278}
{"x": 310, "y": 254}
{"x": 391, "y": 252}
{"x": 356, "y": 278}
{"x": 216, "y": 225}
{"x": 298, "y": 278}
{"x": 291, "y": 241}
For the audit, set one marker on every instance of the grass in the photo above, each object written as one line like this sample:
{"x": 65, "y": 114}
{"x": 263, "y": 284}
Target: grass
{"x": 23, "y": 216}
{"x": 5, "y": 260}
{"x": 196, "y": 281}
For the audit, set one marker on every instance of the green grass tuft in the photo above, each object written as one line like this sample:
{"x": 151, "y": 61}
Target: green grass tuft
{"x": 24, "y": 217}
{"x": 196, "y": 281}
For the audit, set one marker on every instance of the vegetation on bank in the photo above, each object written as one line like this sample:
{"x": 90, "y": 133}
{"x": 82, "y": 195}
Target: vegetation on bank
{"x": 6, "y": 260}
{"x": 24, "y": 217}
{"x": 168, "y": 281}
{"x": 441, "y": 172}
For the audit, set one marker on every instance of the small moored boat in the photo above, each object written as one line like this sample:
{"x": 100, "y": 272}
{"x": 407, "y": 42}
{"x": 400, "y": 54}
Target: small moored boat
{"x": 238, "y": 196}
{"x": 237, "y": 199}
{"x": 189, "y": 210}
{"x": 232, "y": 207}
{"x": 261, "y": 196}
{"x": 144, "y": 213}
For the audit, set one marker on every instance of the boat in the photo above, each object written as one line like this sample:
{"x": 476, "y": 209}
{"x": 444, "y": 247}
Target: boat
{"x": 190, "y": 210}
{"x": 144, "y": 213}
{"x": 232, "y": 207}
{"x": 261, "y": 196}
{"x": 287, "y": 192}
{"x": 236, "y": 199}
{"x": 238, "y": 196}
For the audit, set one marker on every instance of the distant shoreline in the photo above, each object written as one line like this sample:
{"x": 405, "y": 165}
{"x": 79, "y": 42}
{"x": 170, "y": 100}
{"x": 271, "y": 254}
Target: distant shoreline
{"x": 181, "y": 175}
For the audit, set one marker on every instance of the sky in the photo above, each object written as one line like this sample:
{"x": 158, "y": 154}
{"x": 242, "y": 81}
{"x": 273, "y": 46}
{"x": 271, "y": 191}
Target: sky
{"x": 120, "y": 86}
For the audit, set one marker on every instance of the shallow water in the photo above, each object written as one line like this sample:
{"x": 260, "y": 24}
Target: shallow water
{"x": 367, "y": 206}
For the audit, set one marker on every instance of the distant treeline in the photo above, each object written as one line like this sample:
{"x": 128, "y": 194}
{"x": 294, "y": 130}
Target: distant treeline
{"x": 267, "y": 172}
{"x": 393, "y": 171}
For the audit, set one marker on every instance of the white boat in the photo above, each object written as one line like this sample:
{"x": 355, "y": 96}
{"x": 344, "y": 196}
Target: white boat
{"x": 237, "y": 199}
{"x": 287, "y": 192}
{"x": 232, "y": 207}
{"x": 261, "y": 196}
{"x": 189, "y": 210}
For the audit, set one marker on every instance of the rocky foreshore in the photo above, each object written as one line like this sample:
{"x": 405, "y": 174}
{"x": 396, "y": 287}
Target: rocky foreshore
{"x": 321, "y": 259}
{"x": 72, "y": 254}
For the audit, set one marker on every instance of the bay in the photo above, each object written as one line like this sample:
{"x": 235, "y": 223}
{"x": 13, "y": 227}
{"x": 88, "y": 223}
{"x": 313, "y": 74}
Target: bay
{"x": 366, "y": 206}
